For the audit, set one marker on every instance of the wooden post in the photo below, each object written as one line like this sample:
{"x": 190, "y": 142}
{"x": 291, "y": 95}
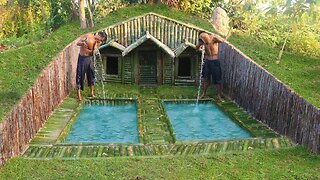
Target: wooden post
{"x": 125, "y": 38}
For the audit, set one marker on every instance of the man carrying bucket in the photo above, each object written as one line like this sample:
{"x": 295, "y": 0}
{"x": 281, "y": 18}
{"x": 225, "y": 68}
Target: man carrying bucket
{"x": 88, "y": 43}
{"x": 211, "y": 67}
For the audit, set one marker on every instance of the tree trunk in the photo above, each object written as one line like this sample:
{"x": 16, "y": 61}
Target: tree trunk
{"x": 82, "y": 15}
{"x": 10, "y": 3}
{"x": 90, "y": 13}
{"x": 75, "y": 13}
{"x": 1, "y": 20}
{"x": 44, "y": 18}
{"x": 282, "y": 49}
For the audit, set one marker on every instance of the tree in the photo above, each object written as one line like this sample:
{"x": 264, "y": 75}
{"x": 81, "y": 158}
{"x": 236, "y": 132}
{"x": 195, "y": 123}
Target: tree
{"x": 82, "y": 15}
{"x": 10, "y": 3}
{"x": 90, "y": 14}
{"x": 43, "y": 12}
{"x": 75, "y": 13}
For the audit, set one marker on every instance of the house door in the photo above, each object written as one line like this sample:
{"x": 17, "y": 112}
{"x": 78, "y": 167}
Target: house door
{"x": 148, "y": 67}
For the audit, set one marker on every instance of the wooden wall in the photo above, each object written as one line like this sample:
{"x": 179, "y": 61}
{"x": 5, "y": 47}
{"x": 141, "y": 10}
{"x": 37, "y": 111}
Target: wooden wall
{"x": 53, "y": 85}
{"x": 269, "y": 100}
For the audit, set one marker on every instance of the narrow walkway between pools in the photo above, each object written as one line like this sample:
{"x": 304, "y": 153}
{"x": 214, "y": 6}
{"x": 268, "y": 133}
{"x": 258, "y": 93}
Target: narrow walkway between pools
{"x": 151, "y": 111}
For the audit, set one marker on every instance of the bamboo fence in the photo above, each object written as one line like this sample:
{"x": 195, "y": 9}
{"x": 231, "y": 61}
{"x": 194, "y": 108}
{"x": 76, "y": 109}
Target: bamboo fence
{"x": 55, "y": 82}
{"x": 168, "y": 34}
{"x": 269, "y": 100}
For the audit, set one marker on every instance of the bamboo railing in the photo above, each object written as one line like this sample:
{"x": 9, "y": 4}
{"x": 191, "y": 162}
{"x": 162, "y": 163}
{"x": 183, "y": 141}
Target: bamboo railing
{"x": 269, "y": 100}
{"x": 167, "y": 33}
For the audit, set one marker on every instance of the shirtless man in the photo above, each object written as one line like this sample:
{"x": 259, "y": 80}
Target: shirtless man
{"x": 88, "y": 43}
{"x": 211, "y": 66}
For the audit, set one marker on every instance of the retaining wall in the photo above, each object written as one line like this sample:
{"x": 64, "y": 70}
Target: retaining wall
{"x": 54, "y": 83}
{"x": 268, "y": 99}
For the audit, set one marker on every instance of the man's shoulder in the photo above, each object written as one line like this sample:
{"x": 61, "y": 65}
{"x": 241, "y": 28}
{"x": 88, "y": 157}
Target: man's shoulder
{"x": 87, "y": 35}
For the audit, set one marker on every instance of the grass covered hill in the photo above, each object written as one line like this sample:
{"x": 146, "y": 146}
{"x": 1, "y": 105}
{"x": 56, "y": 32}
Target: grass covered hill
{"x": 20, "y": 67}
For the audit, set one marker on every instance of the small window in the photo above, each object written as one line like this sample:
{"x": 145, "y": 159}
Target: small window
{"x": 112, "y": 65}
{"x": 184, "y": 67}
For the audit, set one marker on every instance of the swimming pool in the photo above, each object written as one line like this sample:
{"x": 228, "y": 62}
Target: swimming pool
{"x": 105, "y": 124}
{"x": 202, "y": 122}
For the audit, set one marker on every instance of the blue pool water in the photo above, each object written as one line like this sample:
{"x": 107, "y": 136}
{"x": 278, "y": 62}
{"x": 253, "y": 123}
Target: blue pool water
{"x": 205, "y": 121}
{"x": 105, "y": 124}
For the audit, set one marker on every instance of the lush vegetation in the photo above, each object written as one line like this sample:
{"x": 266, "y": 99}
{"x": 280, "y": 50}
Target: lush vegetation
{"x": 290, "y": 25}
{"x": 293, "y": 26}
{"x": 21, "y": 66}
{"x": 294, "y": 163}
{"x": 298, "y": 72}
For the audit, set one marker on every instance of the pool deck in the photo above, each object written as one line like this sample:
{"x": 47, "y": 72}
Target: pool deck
{"x": 155, "y": 133}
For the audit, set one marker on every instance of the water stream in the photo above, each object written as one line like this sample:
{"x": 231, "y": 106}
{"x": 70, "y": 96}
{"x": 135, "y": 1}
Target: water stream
{"x": 200, "y": 75}
{"x": 97, "y": 56}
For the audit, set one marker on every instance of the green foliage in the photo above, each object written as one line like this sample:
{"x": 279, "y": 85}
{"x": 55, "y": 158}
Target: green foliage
{"x": 298, "y": 18}
{"x": 104, "y": 7}
{"x": 21, "y": 20}
{"x": 200, "y": 7}
{"x": 3, "y": 2}
{"x": 20, "y": 67}
{"x": 293, "y": 163}
{"x": 61, "y": 13}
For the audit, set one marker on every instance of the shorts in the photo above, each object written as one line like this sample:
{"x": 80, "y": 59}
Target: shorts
{"x": 212, "y": 68}
{"x": 85, "y": 66}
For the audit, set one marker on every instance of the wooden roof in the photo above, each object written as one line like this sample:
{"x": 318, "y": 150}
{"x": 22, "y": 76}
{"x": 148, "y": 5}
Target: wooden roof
{"x": 170, "y": 35}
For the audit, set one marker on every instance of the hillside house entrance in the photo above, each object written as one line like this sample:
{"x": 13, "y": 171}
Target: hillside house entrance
{"x": 147, "y": 67}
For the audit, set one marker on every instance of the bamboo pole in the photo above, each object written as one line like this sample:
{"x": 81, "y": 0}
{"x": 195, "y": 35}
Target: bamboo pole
{"x": 145, "y": 28}
{"x": 148, "y": 21}
{"x": 139, "y": 27}
{"x": 166, "y": 34}
{"x": 129, "y": 33}
{"x": 188, "y": 35}
{"x": 125, "y": 38}
{"x": 122, "y": 34}
{"x": 183, "y": 33}
{"x": 132, "y": 31}
{"x": 175, "y": 36}
{"x": 179, "y": 34}
{"x": 158, "y": 28}
{"x": 135, "y": 29}
{"x": 171, "y": 35}
{"x": 162, "y": 30}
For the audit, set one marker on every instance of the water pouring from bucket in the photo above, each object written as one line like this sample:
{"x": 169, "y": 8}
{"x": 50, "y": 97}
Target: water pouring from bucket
{"x": 97, "y": 56}
{"x": 200, "y": 79}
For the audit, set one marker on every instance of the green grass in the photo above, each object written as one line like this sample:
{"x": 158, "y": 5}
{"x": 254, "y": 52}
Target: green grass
{"x": 20, "y": 67}
{"x": 259, "y": 164}
{"x": 300, "y": 73}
